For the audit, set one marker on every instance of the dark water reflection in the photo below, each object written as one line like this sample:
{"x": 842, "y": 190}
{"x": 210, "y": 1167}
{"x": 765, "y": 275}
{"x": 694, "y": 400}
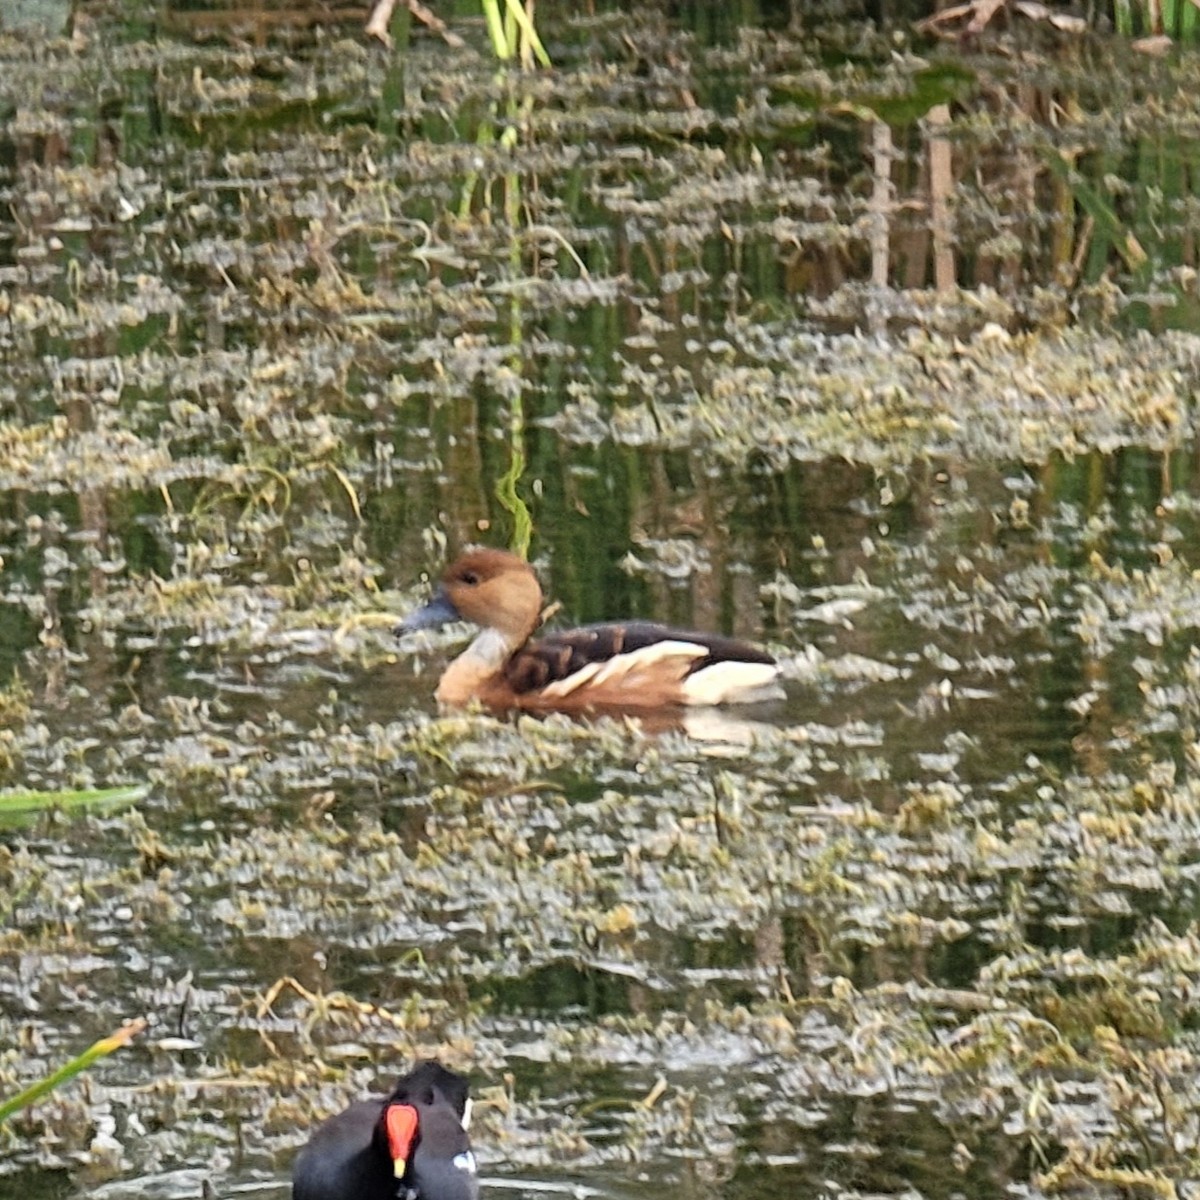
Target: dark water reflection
{"x": 269, "y": 347}
{"x": 1000, "y": 732}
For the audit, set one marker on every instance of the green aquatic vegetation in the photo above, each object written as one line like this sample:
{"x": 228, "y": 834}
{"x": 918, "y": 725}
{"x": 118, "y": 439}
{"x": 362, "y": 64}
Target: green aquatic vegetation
{"x": 98, "y": 1050}
{"x": 512, "y": 32}
{"x": 1170, "y": 20}
{"x": 793, "y": 395}
{"x": 23, "y": 806}
{"x": 274, "y": 320}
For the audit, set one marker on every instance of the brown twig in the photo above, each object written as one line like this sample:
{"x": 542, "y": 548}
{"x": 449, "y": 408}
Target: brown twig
{"x": 381, "y": 18}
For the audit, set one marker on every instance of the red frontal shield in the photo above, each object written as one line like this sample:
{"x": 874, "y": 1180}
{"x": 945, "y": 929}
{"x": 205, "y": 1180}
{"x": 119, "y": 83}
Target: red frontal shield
{"x": 401, "y": 1123}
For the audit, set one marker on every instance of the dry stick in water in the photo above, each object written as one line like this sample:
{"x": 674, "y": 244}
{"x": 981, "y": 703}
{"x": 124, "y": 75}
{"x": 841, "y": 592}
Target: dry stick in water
{"x": 880, "y": 207}
{"x": 881, "y": 202}
{"x": 381, "y": 17}
{"x": 941, "y": 185}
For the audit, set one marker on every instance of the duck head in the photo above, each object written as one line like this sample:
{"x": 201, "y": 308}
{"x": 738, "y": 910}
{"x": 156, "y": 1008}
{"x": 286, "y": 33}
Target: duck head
{"x": 489, "y": 588}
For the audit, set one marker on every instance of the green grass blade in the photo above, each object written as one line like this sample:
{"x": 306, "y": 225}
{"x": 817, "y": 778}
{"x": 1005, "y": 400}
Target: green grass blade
{"x": 1189, "y": 20}
{"x": 501, "y": 47}
{"x": 23, "y": 804}
{"x": 1110, "y": 229}
{"x": 97, "y": 1050}
{"x": 516, "y": 11}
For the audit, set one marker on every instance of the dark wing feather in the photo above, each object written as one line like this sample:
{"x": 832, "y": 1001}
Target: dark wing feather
{"x": 559, "y": 655}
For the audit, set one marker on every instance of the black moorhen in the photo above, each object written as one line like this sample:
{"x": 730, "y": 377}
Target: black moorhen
{"x": 414, "y": 1143}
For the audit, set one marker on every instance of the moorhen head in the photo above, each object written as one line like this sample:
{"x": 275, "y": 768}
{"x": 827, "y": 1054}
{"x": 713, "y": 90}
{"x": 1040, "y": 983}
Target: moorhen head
{"x": 414, "y": 1143}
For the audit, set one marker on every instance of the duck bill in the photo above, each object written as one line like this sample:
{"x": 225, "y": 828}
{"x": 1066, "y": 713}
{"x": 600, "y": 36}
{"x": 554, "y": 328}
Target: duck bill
{"x": 400, "y": 1121}
{"x": 439, "y": 611}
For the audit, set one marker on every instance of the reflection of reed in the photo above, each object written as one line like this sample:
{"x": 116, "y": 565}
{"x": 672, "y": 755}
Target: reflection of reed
{"x": 993, "y": 179}
{"x": 1061, "y": 204}
{"x": 941, "y": 185}
{"x": 881, "y": 201}
{"x": 257, "y": 22}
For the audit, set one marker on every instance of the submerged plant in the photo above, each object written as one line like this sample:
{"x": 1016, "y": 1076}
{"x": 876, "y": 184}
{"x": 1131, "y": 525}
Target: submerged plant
{"x": 513, "y": 36}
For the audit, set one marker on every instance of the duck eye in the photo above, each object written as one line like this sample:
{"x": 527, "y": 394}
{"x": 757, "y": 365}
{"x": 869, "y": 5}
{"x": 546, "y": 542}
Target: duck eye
{"x": 469, "y": 578}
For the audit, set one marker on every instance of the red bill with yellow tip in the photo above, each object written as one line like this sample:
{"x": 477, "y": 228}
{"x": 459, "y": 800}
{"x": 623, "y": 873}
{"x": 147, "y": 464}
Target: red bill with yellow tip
{"x": 401, "y": 1123}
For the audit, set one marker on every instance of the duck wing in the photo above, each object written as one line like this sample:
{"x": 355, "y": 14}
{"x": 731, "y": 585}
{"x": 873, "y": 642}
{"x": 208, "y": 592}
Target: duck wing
{"x": 596, "y": 655}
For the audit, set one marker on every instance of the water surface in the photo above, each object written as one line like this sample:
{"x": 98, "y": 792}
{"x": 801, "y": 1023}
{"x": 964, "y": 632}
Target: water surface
{"x": 288, "y": 320}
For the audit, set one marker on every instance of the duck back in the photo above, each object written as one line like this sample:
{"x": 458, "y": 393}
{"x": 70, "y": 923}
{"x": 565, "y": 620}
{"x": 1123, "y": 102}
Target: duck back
{"x": 627, "y": 664}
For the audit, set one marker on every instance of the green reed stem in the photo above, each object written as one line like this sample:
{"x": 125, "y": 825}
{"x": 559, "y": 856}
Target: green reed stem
{"x": 504, "y": 27}
{"x": 1189, "y": 22}
{"x": 517, "y": 14}
{"x": 98, "y": 1050}
{"x": 26, "y": 804}
{"x": 501, "y": 46}
{"x": 513, "y": 35}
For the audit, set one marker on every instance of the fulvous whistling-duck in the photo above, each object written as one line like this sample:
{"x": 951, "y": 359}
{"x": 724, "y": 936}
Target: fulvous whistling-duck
{"x": 634, "y": 665}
